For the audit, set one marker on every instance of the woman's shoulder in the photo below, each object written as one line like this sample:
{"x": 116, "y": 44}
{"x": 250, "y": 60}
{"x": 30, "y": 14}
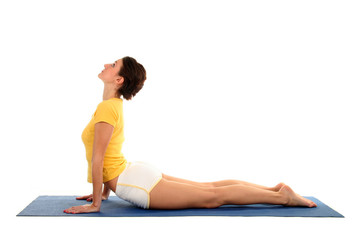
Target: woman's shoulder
{"x": 112, "y": 105}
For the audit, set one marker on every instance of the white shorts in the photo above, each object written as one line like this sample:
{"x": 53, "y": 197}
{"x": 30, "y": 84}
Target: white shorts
{"x": 136, "y": 182}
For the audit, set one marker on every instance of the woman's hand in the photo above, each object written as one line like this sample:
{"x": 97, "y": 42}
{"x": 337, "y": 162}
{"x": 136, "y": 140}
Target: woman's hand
{"x": 88, "y": 208}
{"x": 89, "y": 198}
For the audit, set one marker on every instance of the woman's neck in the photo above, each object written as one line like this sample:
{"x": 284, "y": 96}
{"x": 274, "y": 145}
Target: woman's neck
{"x": 109, "y": 93}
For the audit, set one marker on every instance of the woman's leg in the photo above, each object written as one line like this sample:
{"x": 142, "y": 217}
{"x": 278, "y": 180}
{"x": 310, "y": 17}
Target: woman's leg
{"x": 222, "y": 183}
{"x": 175, "y": 195}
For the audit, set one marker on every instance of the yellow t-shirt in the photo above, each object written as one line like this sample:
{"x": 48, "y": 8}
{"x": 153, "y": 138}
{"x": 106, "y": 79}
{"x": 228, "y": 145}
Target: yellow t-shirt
{"x": 110, "y": 111}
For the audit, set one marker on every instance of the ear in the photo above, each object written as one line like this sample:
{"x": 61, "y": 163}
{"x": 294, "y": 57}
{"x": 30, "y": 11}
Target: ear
{"x": 120, "y": 80}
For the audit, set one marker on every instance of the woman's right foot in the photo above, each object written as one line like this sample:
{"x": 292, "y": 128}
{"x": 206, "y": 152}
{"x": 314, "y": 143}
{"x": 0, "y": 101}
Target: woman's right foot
{"x": 294, "y": 199}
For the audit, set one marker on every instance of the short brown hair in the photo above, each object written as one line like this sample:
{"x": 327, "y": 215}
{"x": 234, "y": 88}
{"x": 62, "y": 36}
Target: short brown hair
{"x": 134, "y": 75}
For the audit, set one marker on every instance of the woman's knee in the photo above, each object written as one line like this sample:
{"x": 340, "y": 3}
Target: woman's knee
{"x": 213, "y": 199}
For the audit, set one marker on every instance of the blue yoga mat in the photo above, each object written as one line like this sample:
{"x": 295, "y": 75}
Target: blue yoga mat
{"x": 115, "y": 207}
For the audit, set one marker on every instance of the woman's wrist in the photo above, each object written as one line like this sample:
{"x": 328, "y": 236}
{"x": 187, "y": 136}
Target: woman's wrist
{"x": 96, "y": 204}
{"x": 106, "y": 192}
{"x": 105, "y": 196}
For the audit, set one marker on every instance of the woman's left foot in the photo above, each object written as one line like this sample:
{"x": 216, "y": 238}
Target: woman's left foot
{"x": 278, "y": 187}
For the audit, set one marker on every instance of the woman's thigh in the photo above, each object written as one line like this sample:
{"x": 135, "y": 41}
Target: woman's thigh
{"x": 180, "y": 180}
{"x": 176, "y": 195}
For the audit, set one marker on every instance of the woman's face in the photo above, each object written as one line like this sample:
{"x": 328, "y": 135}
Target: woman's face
{"x": 111, "y": 71}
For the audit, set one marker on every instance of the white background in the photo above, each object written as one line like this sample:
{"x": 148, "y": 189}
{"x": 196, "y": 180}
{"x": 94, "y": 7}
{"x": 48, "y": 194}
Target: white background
{"x": 263, "y": 91}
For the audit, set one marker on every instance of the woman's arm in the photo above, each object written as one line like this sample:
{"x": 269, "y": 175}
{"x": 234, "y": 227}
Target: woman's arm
{"x": 103, "y": 133}
{"x": 102, "y": 136}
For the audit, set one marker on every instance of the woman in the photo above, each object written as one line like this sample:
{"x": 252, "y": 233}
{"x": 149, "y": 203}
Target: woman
{"x": 142, "y": 184}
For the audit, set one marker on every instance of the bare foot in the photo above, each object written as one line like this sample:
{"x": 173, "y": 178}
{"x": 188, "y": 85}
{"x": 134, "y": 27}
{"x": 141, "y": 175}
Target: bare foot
{"x": 277, "y": 187}
{"x": 295, "y": 199}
